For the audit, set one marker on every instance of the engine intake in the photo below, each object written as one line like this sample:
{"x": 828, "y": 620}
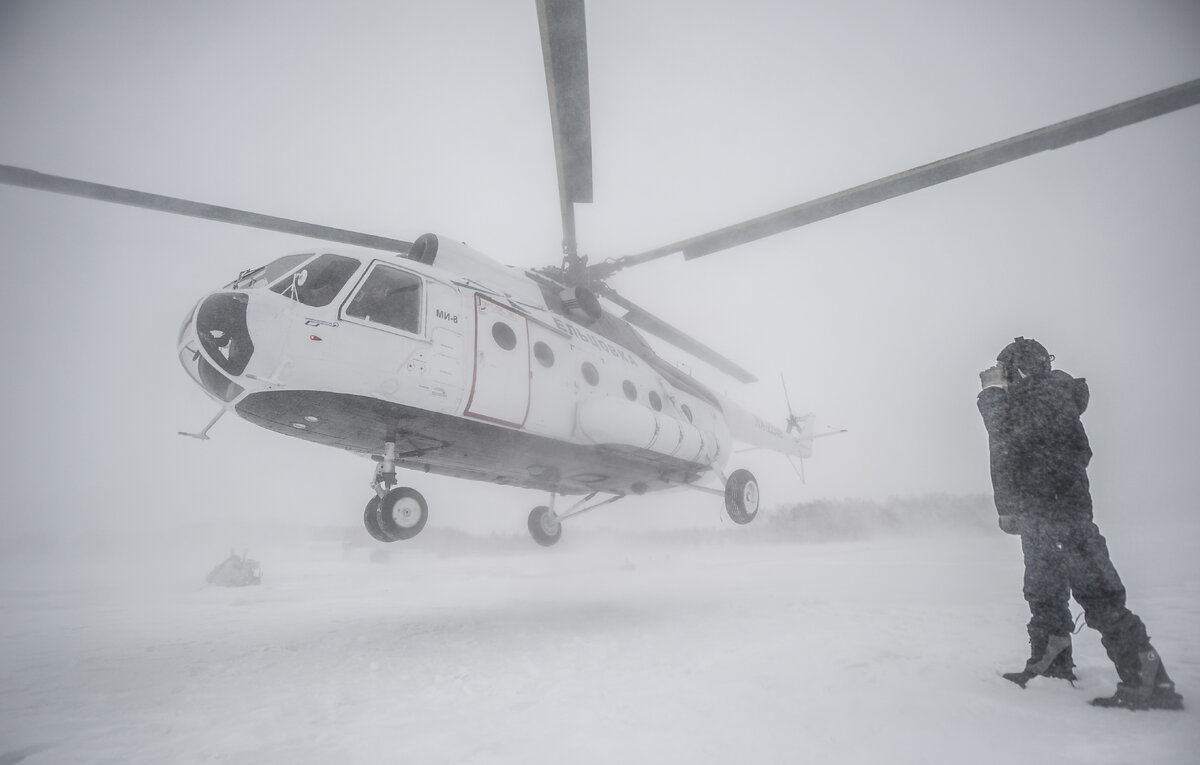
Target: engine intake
{"x": 581, "y": 304}
{"x": 461, "y": 260}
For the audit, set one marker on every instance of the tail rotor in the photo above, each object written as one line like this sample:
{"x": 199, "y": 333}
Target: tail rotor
{"x": 793, "y": 422}
{"x": 797, "y": 424}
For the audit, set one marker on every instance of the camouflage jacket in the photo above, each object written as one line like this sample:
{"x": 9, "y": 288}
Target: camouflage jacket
{"x": 1039, "y": 449}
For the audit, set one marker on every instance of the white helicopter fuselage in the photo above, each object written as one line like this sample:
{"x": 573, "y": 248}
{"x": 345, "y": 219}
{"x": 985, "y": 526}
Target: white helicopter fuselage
{"x": 464, "y": 366}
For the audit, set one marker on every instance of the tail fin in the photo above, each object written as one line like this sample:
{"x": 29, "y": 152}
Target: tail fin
{"x": 753, "y": 430}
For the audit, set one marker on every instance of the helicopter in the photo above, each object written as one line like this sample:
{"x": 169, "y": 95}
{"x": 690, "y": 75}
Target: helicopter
{"x": 429, "y": 378}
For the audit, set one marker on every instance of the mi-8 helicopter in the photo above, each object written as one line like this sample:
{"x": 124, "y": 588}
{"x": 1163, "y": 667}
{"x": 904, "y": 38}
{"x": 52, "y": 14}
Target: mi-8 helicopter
{"x": 476, "y": 426}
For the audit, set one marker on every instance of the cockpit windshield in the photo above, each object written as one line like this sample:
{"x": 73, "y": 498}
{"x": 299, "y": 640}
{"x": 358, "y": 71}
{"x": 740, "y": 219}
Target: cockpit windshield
{"x": 318, "y": 282}
{"x": 253, "y": 278}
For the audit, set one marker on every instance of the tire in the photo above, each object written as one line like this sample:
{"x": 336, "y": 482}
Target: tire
{"x": 371, "y": 521}
{"x": 741, "y": 497}
{"x": 402, "y": 513}
{"x": 544, "y": 526}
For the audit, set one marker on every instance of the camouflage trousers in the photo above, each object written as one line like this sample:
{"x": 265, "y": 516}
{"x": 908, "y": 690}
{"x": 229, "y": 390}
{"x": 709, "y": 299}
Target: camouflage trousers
{"x": 1065, "y": 558}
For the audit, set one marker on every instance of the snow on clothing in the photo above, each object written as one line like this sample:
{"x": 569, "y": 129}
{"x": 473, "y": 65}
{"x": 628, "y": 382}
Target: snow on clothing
{"x": 1039, "y": 457}
{"x": 1039, "y": 449}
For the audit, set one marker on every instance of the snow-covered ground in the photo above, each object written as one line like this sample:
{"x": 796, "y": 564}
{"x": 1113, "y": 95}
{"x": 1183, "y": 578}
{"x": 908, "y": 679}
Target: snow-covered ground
{"x": 715, "y": 647}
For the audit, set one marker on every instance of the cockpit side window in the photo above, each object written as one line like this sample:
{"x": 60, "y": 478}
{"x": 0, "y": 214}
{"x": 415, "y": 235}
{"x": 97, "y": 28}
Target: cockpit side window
{"x": 319, "y": 282}
{"x": 391, "y": 297}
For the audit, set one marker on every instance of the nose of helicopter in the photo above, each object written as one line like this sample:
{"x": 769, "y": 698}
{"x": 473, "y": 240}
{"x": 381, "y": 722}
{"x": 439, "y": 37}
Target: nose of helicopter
{"x": 215, "y": 344}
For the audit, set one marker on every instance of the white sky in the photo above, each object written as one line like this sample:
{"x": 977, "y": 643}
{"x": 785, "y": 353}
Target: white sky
{"x": 398, "y": 118}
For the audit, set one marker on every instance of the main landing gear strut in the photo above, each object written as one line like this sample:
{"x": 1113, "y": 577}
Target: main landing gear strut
{"x": 741, "y": 502}
{"x": 395, "y": 512}
{"x": 400, "y": 512}
{"x": 545, "y": 525}
{"x": 741, "y": 497}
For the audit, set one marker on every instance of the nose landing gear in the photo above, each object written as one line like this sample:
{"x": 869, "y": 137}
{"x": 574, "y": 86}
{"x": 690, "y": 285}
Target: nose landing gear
{"x": 393, "y": 514}
{"x": 400, "y": 514}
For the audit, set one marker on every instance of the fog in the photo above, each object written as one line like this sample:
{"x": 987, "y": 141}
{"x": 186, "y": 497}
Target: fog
{"x": 402, "y": 118}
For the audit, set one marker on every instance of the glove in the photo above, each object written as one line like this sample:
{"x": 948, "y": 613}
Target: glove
{"x": 993, "y": 377}
{"x": 1008, "y": 524}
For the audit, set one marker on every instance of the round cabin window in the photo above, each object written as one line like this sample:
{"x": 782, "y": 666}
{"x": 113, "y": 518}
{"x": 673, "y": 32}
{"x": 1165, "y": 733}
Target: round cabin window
{"x": 589, "y": 373}
{"x": 543, "y": 354}
{"x": 630, "y": 390}
{"x": 655, "y": 401}
{"x": 504, "y": 336}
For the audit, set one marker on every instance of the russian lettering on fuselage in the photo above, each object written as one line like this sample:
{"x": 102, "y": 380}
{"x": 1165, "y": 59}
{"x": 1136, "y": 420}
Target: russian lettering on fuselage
{"x": 595, "y": 341}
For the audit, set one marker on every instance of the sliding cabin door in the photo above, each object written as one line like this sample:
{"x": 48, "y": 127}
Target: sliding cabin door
{"x": 500, "y": 389}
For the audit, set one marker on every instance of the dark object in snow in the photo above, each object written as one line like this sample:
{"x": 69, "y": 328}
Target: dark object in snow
{"x": 236, "y": 571}
{"x": 1150, "y": 688}
{"x": 1050, "y": 656}
{"x": 1039, "y": 456}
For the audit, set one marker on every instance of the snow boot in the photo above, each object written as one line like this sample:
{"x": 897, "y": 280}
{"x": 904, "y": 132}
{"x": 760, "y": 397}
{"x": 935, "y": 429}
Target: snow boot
{"x": 1144, "y": 685}
{"x": 1051, "y": 657}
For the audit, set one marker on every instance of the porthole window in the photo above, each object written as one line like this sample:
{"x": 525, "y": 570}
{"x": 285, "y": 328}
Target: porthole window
{"x": 630, "y": 390}
{"x": 655, "y": 401}
{"x": 686, "y": 412}
{"x": 589, "y": 373}
{"x": 543, "y": 354}
{"x": 504, "y": 336}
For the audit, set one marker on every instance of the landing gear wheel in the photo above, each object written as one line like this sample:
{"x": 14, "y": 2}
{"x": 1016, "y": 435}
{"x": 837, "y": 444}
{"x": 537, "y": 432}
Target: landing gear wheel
{"x": 371, "y": 521}
{"x": 544, "y": 526}
{"x": 402, "y": 513}
{"x": 741, "y": 497}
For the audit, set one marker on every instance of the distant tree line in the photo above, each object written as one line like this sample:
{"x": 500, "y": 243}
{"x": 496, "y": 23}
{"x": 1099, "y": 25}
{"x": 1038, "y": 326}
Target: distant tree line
{"x": 834, "y": 519}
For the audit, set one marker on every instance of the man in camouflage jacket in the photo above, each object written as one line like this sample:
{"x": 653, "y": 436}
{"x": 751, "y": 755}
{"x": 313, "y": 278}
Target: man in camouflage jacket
{"x": 1039, "y": 458}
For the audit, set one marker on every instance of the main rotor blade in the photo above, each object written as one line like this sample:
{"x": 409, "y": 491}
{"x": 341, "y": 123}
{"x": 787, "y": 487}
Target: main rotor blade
{"x": 564, "y": 51}
{"x": 1051, "y": 137}
{"x": 19, "y": 176}
{"x": 639, "y": 317}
